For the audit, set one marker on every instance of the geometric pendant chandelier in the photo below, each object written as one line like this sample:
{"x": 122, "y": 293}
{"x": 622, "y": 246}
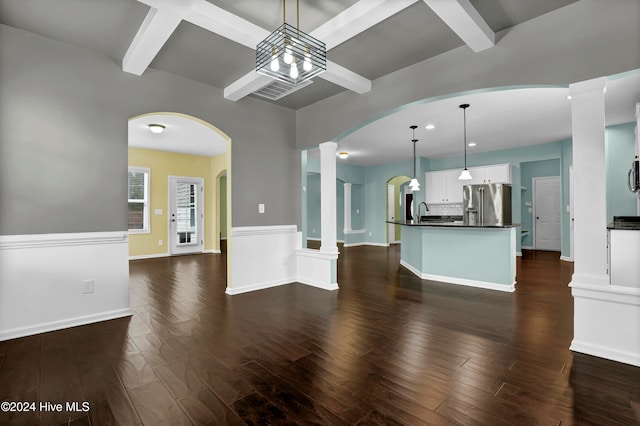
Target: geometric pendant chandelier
{"x": 290, "y": 55}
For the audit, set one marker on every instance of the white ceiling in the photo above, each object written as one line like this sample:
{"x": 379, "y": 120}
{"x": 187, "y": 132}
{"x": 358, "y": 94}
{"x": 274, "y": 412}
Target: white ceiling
{"x": 495, "y": 120}
{"x": 181, "y": 134}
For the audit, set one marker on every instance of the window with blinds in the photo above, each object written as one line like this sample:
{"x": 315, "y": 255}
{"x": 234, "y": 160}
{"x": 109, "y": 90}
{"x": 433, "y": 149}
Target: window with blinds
{"x": 138, "y": 184}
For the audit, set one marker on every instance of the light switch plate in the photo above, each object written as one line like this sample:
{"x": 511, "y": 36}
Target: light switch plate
{"x": 157, "y": 211}
{"x": 260, "y": 208}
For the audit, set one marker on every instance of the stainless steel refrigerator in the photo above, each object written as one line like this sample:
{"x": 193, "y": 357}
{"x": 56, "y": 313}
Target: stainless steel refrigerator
{"x": 487, "y": 204}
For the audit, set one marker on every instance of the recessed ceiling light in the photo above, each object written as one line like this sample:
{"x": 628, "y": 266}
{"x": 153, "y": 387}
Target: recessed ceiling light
{"x": 472, "y": 144}
{"x": 569, "y": 97}
{"x": 156, "y": 128}
{"x": 430, "y": 126}
{"x": 343, "y": 154}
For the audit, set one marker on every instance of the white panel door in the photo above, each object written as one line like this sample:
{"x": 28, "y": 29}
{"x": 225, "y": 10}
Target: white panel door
{"x": 546, "y": 208}
{"x": 186, "y": 215}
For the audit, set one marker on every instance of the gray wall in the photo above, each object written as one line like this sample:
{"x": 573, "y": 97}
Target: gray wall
{"x": 587, "y": 39}
{"x": 63, "y": 139}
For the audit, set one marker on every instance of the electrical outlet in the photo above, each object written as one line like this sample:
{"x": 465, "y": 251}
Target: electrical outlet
{"x": 157, "y": 211}
{"x": 369, "y": 233}
{"x": 357, "y": 211}
{"x": 260, "y": 208}
{"x": 313, "y": 231}
{"x": 87, "y": 286}
{"x": 160, "y": 242}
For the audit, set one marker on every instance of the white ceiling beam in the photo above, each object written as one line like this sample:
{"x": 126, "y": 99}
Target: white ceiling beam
{"x": 154, "y": 32}
{"x": 226, "y": 24}
{"x": 356, "y": 19}
{"x": 341, "y": 76}
{"x": 246, "y": 85}
{"x": 465, "y": 21}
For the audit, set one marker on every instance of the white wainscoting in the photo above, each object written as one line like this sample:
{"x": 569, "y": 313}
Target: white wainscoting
{"x": 317, "y": 269}
{"x": 41, "y": 281}
{"x": 607, "y": 322}
{"x": 263, "y": 257}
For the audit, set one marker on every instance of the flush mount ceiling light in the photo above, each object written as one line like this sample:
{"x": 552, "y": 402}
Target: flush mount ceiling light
{"x": 414, "y": 184}
{"x": 156, "y": 128}
{"x": 471, "y": 144}
{"x": 289, "y": 54}
{"x": 465, "y": 175}
{"x": 430, "y": 126}
{"x": 343, "y": 154}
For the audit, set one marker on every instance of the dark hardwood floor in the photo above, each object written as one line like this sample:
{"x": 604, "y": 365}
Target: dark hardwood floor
{"x": 387, "y": 348}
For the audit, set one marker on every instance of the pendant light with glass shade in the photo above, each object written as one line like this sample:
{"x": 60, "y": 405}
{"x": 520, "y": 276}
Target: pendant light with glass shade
{"x": 465, "y": 175}
{"x": 414, "y": 185}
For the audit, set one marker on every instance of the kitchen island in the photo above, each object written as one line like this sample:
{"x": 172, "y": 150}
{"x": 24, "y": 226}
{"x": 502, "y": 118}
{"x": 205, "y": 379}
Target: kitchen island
{"x": 455, "y": 253}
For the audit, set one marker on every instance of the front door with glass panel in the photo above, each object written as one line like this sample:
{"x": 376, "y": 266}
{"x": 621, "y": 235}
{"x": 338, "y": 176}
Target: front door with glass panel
{"x": 186, "y": 215}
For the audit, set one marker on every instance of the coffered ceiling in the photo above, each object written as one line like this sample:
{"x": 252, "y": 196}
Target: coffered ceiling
{"x": 214, "y": 41}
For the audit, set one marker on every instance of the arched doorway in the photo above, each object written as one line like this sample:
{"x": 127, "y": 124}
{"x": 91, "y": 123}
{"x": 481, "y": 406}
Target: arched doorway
{"x": 181, "y": 148}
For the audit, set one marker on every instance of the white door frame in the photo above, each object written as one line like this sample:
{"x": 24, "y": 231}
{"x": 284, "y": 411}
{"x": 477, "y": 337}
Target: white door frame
{"x": 200, "y": 210}
{"x": 391, "y": 228}
{"x": 533, "y": 202}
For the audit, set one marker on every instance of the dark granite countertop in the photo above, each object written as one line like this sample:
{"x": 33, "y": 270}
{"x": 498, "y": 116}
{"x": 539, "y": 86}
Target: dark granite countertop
{"x": 456, "y": 224}
{"x": 626, "y": 223}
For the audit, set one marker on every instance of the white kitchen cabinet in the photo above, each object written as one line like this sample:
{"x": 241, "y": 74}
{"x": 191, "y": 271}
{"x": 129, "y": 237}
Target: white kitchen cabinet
{"x": 443, "y": 187}
{"x": 436, "y": 187}
{"x": 500, "y": 173}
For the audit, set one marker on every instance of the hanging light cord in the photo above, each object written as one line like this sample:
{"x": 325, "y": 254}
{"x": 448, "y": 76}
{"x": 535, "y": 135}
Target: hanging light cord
{"x": 464, "y": 118}
{"x": 414, "y": 140}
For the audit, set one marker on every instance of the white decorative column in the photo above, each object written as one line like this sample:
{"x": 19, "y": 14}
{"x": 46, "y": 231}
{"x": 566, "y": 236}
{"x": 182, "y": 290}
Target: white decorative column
{"x": 347, "y": 207}
{"x": 590, "y": 198}
{"x": 329, "y": 234}
{"x": 319, "y": 268}
{"x": 605, "y": 316}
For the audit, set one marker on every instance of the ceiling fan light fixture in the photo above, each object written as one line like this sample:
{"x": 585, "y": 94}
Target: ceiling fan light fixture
{"x": 303, "y": 56}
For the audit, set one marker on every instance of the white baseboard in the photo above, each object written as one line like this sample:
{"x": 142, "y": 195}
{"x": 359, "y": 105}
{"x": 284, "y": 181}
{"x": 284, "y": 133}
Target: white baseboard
{"x": 519, "y": 253}
{"x": 566, "y": 258}
{"x": 461, "y": 281}
{"x": 605, "y": 352}
{"x": 354, "y": 244}
{"x": 323, "y": 286}
{"x": 527, "y": 248}
{"x": 148, "y": 256}
{"x": 61, "y": 324}
{"x": 258, "y": 286}
{"x": 313, "y": 239}
{"x": 376, "y": 244}
{"x": 213, "y": 251}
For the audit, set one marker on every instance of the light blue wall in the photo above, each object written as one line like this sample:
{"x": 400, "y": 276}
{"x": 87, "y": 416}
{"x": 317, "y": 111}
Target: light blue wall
{"x": 528, "y": 171}
{"x": 566, "y": 160}
{"x": 376, "y": 178}
{"x": 313, "y": 220}
{"x": 619, "y": 153}
{"x": 357, "y": 207}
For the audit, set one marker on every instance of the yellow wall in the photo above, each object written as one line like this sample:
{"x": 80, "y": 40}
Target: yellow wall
{"x": 162, "y": 165}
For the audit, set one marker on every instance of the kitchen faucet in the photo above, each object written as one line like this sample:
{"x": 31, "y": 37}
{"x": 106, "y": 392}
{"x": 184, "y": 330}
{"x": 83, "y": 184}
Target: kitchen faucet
{"x": 425, "y": 206}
